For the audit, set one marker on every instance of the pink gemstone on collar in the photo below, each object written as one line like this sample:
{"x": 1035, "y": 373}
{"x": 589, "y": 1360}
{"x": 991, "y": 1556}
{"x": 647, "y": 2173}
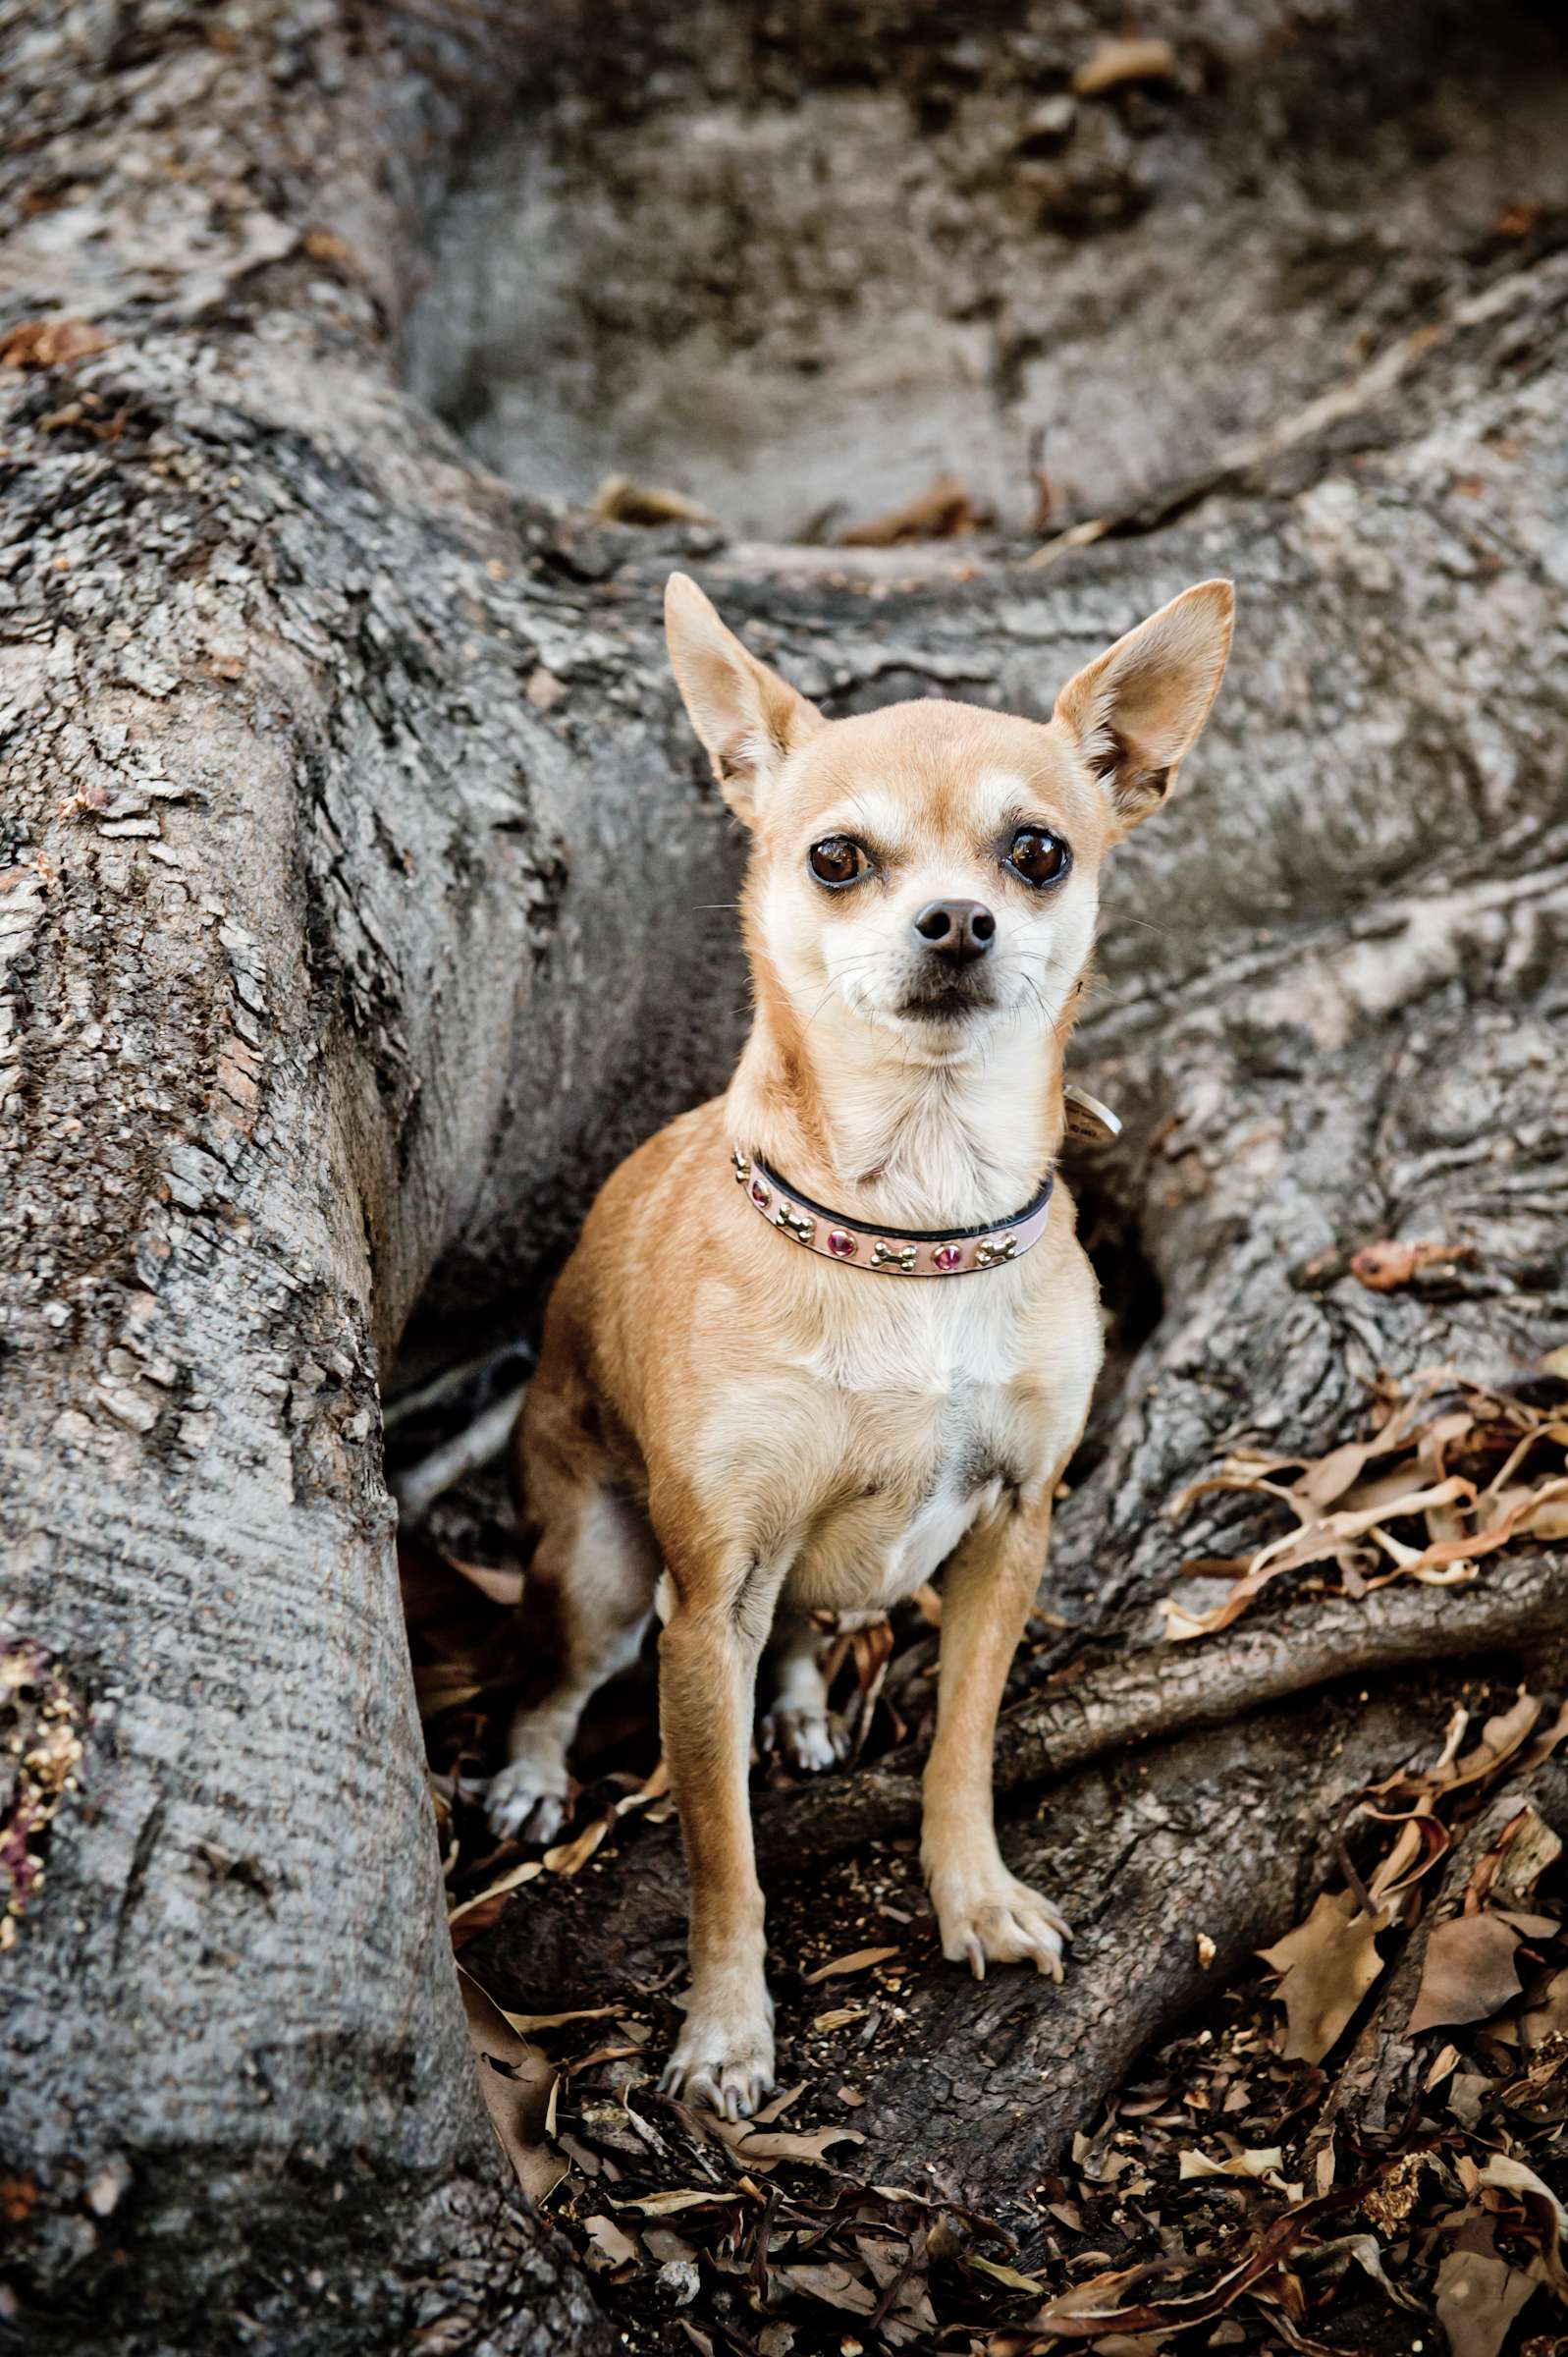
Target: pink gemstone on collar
{"x": 760, "y": 1195}
{"x": 946, "y": 1256}
{"x": 841, "y": 1247}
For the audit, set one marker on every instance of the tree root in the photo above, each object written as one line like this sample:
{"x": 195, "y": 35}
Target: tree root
{"x": 1167, "y": 1690}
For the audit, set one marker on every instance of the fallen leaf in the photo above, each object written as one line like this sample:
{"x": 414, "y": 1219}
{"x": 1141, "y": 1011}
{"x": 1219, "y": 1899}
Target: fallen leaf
{"x": 1327, "y": 2261}
{"x": 1112, "y": 64}
{"x": 1528, "y": 1846}
{"x": 525, "y": 2024}
{"x": 1552, "y": 2218}
{"x": 1468, "y": 2093}
{"x": 837, "y": 2018}
{"x": 614, "y": 2248}
{"x": 1478, "y": 2295}
{"x": 666, "y": 2205}
{"x": 51, "y": 342}
{"x": 517, "y": 2081}
{"x": 832, "y": 2283}
{"x": 1413, "y": 1451}
{"x": 569, "y": 1857}
{"x": 1550, "y": 2017}
{"x": 764, "y": 2146}
{"x": 1007, "y": 2276}
{"x": 1262, "y": 2166}
{"x": 1442, "y": 2063}
{"x": 861, "y": 1962}
{"x": 1382, "y": 1268}
{"x": 1327, "y": 1965}
{"x": 1091, "y": 2310}
{"x": 476, "y": 1915}
{"x": 499, "y": 1585}
{"x": 939, "y": 513}
{"x": 1468, "y": 1974}
{"x": 327, "y": 247}
{"x": 621, "y": 500}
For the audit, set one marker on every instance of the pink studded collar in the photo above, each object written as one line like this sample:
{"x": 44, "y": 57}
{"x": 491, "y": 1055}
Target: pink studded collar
{"x": 892, "y": 1251}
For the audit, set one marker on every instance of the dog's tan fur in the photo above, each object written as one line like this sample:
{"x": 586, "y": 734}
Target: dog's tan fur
{"x": 775, "y": 1432}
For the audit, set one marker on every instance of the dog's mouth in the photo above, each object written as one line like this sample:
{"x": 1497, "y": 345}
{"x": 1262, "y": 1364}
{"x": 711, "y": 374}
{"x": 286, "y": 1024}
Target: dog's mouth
{"x": 949, "y": 1002}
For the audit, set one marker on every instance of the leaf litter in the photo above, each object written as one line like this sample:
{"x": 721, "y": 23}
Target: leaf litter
{"x": 1216, "y": 2204}
{"x": 1453, "y": 1472}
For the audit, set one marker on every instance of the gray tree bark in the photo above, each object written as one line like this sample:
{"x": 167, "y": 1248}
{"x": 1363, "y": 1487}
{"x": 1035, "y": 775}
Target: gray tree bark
{"x": 355, "y": 915}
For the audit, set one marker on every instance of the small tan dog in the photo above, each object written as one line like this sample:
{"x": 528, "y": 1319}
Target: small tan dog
{"x": 873, "y": 1355}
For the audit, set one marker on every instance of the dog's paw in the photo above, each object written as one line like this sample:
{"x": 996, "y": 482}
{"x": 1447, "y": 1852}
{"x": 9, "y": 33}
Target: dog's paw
{"x": 807, "y": 1739}
{"x": 722, "y": 2058}
{"x": 999, "y": 1920}
{"x": 527, "y": 1801}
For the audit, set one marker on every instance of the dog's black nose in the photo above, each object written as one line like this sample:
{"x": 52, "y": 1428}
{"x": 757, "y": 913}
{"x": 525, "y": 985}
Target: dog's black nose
{"x": 958, "y": 930}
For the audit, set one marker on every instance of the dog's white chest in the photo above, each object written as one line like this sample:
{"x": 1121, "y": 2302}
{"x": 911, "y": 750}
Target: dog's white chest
{"x": 921, "y": 1401}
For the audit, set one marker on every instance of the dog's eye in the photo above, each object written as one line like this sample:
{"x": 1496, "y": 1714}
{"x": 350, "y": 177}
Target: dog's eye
{"x": 1039, "y": 857}
{"x": 837, "y": 860}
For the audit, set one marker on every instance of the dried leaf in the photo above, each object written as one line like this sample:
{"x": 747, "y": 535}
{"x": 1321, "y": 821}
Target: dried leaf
{"x": 841, "y": 1966}
{"x": 500, "y": 1586}
{"x": 517, "y": 2081}
{"x": 51, "y": 342}
{"x": 1088, "y": 2311}
{"x": 1478, "y": 2295}
{"x": 831, "y": 2282}
{"x": 1525, "y": 1848}
{"x": 476, "y": 1915}
{"x": 1414, "y": 1451}
{"x": 525, "y": 2024}
{"x": 1327, "y": 1965}
{"x": 1549, "y": 2018}
{"x": 1112, "y": 64}
{"x": 1468, "y": 1975}
{"x": 614, "y": 2248}
{"x": 939, "y": 513}
{"x": 1329, "y": 2260}
{"x": 666, "y": 2205}
{"x": 1546, "y": 2211}
{"x": 569, "y": 1857}
{"x": 1383, "y": 1268}
{"x": 764, "y": 2146}
{"x": 836, "y": 2017}
{"x": 1263, "y": 2167}
{"x": 1007, "y": 2276}
{"x": 621, "y": 500}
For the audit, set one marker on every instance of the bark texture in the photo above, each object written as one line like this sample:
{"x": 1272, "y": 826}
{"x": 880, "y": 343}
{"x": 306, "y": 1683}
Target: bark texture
{"x": 358, "y": 908}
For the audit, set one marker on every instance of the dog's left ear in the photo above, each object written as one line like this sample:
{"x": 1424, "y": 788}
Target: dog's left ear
{"x": 1138, "y": 708}
{"x": 746, "y": 717}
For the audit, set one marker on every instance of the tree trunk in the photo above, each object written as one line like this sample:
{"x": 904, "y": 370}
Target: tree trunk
{"x": 358, "y": 908}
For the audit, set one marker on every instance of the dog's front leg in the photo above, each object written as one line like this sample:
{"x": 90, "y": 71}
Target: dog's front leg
{"x": 984, "y": 1911}
{"x": 708, "y": 1659}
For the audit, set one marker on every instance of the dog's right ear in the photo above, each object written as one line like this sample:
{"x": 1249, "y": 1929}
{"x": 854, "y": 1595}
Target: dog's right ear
{"x": 746, "y": 717}
{"x": 1135, "y": 710}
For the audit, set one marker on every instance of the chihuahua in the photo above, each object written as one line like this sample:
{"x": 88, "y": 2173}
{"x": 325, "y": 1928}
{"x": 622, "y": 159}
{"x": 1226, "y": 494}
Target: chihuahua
{"x": 835, "y": 1330}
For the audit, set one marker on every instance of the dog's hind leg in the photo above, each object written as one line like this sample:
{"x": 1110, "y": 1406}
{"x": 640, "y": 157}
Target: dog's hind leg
{"x": 592, "y": 1580}
{"x": 798, "y": 1724}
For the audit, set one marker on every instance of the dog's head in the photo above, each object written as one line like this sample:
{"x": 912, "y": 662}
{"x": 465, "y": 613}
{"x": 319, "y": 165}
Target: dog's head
{"x": 932, "y": 869}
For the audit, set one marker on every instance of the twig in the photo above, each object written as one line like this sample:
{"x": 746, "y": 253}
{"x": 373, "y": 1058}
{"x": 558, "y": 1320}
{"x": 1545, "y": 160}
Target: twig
{"x": 418, "y": 1489}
